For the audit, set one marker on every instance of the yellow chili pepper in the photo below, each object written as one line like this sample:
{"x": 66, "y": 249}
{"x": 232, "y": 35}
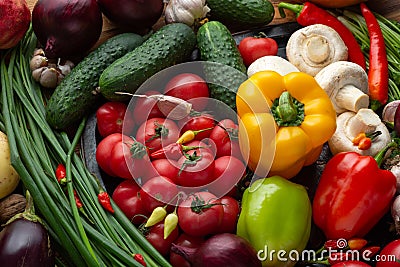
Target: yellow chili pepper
{"x": 189, "y": 135}
{"x": 284, "y": 121}
{"x": 156, "y": 216}
{"x": 170, "y": 223}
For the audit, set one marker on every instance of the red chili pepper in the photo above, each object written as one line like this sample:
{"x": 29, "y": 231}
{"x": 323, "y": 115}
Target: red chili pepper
{"x": 172, "y": 151}
{"x": 310, "y": 14}
{"x": 78, "y": 201}
{"x": 105, "y": 201}
{"x": 378, "y": 72}
{"x": 61, "y": 174}
{"x": 353, "y": 194}
{"x": 139, "y": 258}
{"x": 331, "y": 244}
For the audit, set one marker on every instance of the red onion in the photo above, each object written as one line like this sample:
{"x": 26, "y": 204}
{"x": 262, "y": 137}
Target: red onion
{"x": 132, "y": 15}
{"x": 220, "y": 250}
{"x": 67, "y": 28}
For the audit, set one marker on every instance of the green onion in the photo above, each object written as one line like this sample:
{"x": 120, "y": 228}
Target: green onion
{"x": 93, "y": 237}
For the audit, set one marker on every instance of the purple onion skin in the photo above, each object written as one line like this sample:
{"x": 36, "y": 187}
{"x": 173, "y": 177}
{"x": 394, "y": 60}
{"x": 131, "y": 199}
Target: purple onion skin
{"x": 67, "y": 28}
{"x": 132, "y": 15}
{"x": 25, "y": 243}
{"x": 396, "y": 121}
{"x": 220, "y": 250}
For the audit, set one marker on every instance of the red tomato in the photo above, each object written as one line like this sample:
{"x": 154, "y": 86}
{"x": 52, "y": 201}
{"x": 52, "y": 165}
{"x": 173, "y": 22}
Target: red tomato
{"x": 351, "y": 264}
{"x": 252, "y": 48}
{"x": 196, "y": 168}
{"x": 198, "y": 122}
{"x": 390, "y": 255}
{"x": 156, "y": 133}
{"x": 146, "y": 108}
{"x": 166, "y": 167}
{"x": 187, "y": 241}
{"x": 157, "y": 192}
{"x": 156, "y": 237}
{"x": 126, "y": 196}
{"x": 227, "y": 173}
{"x": 103, "y": 152}
{"x": 202, "y": 147}
{"x": 231, "y": 214}
{"x": 200, "y": 214}
{"x": 114, "y": 157}
{"x": 189, "y": 87}
{"x": 110, "y": 118}
{"x": 225, "y": 138}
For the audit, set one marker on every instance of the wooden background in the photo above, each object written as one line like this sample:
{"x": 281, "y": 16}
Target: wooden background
{"x": 388, "y": 8}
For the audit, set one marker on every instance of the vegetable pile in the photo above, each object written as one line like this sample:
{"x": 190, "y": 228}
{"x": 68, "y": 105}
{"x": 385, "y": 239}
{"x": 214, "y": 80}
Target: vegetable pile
{"x": 204, "y": 142}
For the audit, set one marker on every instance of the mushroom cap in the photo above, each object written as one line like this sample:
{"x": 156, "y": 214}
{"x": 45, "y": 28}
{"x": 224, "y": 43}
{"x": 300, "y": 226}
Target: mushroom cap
{"x": 339, "y": 75}
{"x": 273, "y": 63}
{"x": 313, "y": 47}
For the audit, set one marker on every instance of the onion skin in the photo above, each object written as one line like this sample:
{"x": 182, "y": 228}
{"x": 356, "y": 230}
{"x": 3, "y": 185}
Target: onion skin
{"x": 220, "y": 250}
{"x": 25, "y": 243}
{"x": 132, "y": 15}
{"x": 67, "y": 28}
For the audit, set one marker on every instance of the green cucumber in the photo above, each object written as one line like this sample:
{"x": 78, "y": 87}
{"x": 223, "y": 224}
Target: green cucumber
{"x": 241, "y": 13}
{"x": 216, "y": 44}
{"x": 76, "y": 95}
{"x": 172, "y": 44}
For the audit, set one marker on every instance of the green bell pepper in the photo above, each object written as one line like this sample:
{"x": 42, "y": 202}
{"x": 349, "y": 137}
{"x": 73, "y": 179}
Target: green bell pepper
{"x": 276, "y": 219}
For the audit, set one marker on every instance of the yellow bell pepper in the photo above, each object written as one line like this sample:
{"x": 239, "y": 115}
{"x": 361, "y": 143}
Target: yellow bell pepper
{"x": 283, "y": 122}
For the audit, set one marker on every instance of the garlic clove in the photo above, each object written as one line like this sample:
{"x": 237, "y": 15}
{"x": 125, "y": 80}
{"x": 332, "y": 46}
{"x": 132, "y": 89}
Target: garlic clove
{"x": 49, "y": 78}
{"x": 37, "y": 73}
{"x": 37, "y": 61}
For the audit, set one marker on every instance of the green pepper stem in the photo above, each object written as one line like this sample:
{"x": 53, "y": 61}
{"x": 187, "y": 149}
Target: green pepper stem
{"x": 379, "y": 157}
{"x": 292, "y": 7}
{"x": 286, "y": 109}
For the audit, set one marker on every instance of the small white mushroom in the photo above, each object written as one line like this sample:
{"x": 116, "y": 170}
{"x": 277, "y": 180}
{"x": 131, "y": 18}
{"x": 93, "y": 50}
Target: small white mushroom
{"x": 273, "y": 63}
{"x": 350, "y": 124}
{"x": 313, "y": 47}
{"x": 346, "y": 83}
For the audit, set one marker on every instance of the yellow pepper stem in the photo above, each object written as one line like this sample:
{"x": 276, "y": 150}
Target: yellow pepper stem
{"x": 287, "y": 110}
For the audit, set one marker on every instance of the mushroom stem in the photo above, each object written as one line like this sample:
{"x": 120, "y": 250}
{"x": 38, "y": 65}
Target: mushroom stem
{"x": 351, "y": 98}
{"x": 365, "y": 121}
{"x": 317, "y": 49}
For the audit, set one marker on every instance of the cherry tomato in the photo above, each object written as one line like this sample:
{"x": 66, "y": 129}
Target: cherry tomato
{"x": 158, "y": 191}
{"x": 187, "y": 241}
{"x": 156, "y": 133}
{"x": 189, "y": 87}
{"x": 225, "y": 137}
{"x": 114, "y": 156}
{"x": 228, "y": 171}
{"x": 126, "y": 196}
{"x": 146, "y": 108}
{"x": 196, "y": 168}
{"x": 200, "y": 214}
{"x": 388, "y": 253}
{"x": 351, "y": 264}
{"x": 231, "y": 214}
{"x": 166, "y": 167}
{"x": 197, "y": 122}
{"x": 110, "y": 118}
{"x": 252, "y": 48}
{"x": 155, "y": 236}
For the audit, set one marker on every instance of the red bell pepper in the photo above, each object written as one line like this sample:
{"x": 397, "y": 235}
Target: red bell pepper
{"x": 353, "y": 195}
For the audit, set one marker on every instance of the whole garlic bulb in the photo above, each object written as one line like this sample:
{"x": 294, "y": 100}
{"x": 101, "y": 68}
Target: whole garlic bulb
{"x": 186, "y": 11}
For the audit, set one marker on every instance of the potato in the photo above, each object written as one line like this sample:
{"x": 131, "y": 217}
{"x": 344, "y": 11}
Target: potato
{"x": 9, "y": 178}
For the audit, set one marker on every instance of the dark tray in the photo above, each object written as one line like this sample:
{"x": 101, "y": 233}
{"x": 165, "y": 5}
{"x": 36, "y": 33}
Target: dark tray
{"x": 309, "y": 176}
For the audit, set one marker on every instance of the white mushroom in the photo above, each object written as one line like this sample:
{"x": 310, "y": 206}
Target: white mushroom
{"x": 313, "y": 47}
{"x": 350, "y": 124}
{"x": 346, "y": 83}
{"x": 273, "y": 63}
